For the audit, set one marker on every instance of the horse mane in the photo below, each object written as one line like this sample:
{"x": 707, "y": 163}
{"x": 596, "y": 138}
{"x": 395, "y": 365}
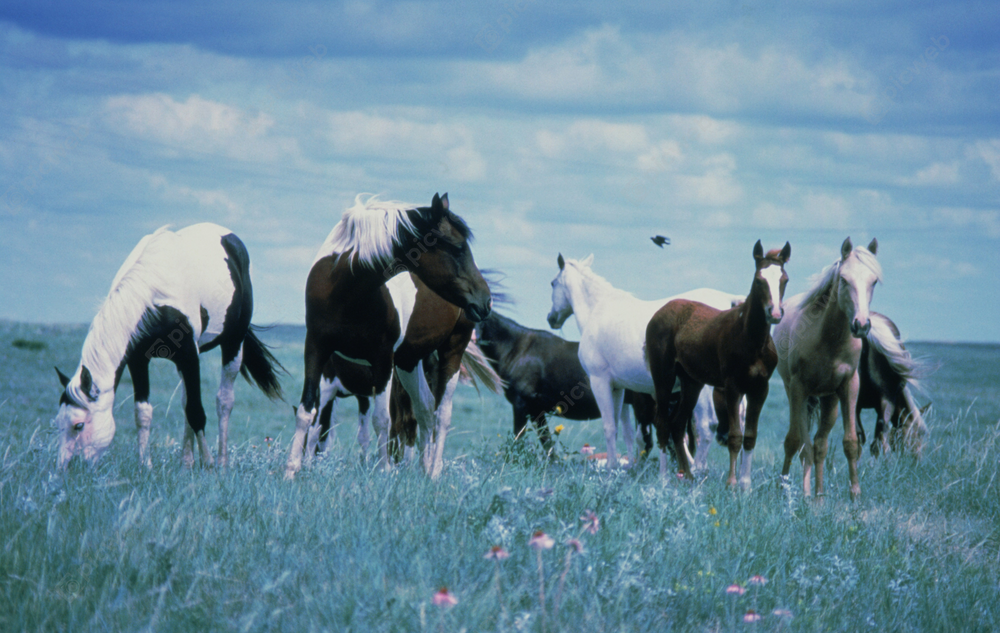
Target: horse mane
{"x": 822, "y": 282}
{"x": 120, "y": 316}
{"x": 594, "y": 281}
{"x": 884, "y": 338}
{"x": 370, "y": 228}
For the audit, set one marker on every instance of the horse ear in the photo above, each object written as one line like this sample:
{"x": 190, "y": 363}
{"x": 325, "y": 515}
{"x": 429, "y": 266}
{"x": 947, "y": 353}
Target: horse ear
{"x": 87, "y": 384}
{"x": 786, "y": 252}
{"x": 444, "y": 201}
{"x": 63, "y": 378}
{"x": 846, "y": 248}
{"x": 873, "y": 246}
{"x": 589, "y": 261}
{"x": 561, "y": 261}
{"x": 758, "y": 250}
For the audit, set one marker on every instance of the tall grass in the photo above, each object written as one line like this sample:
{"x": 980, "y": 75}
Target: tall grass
{"x": 348, "y": 547}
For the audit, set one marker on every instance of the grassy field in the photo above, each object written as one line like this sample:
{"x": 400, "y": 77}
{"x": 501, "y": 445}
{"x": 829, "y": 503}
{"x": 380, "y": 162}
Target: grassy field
{"x": 347, "y": 547}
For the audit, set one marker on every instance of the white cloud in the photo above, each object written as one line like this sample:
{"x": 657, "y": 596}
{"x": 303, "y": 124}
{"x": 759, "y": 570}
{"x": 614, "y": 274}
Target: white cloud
{"x": 935, "y": 174}
{"x": 592, "y": 136}
{"x": 197, "y": 125}
{"x": 989, "y": 152}
{"x": 981, "y": 221}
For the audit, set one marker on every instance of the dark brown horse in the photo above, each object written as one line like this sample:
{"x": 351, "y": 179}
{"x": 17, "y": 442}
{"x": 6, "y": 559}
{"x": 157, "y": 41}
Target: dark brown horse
{"x": 885, "y": 373}
{"x": 731, "y": 350}
{"x": 543, "y": 375}
{"x": 351, "y": 317}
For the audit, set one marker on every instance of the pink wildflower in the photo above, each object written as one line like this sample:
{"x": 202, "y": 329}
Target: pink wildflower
{"x": 735, "y": 590}
{"x": 751, "y": 616}
{"x": 587, "y": 449}
{"x": 590, "y": 522}
{"x": 540, "y": 540}
{"x": 758, "y": 580}
{"x": 497, "y": 553}
{"x": 444, "y": 598}
{"x": 576, "y": 545}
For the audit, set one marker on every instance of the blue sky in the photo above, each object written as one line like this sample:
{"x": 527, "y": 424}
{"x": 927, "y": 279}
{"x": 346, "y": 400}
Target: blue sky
{"x": 578, "y": 128}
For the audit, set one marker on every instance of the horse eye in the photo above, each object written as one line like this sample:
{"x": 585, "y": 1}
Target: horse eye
{"x": 78, "y": 427}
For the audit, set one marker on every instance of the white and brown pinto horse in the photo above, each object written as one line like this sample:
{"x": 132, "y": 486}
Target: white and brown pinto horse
{"x": 612, "y": 326}
{"x": 177, "y": 294}
{"x": 420, "y": 310}
{"x": 730, "y": 349}
{"x": 819, "y": 347}
{"x": 351, "y": 318}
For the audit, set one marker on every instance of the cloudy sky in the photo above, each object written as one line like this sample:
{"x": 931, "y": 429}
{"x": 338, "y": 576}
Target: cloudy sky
{"x": 580, "y": 128}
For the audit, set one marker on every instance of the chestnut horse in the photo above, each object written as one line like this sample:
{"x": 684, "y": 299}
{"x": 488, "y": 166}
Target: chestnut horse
{"x": 350, "y": 315}
{"x": 731, "y": 350}
{"x": 819, "y": 347}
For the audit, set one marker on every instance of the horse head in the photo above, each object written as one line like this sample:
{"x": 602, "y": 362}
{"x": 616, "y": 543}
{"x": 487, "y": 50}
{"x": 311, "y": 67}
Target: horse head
{"x": 85, "y": 422}
{"x": 770, "y": 279}
{"x": 858, "y": 272}
{"x": 562, "y": 304}
{"x": 438, "y": 252}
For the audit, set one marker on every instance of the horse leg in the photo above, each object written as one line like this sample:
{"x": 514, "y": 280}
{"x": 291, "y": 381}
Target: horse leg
{"x": 706, "y": 412}
{"x": 364, "y": 422}
{"x": 628, "y": 430}
{"x": 544, "y": 435}
{"x": 325, "y": 420}
{"x": 317, "y": 352}
{"x": 745, "y": 413}
{"x": 520, "y": 417}
{"x": 679, "y": 422}
{"x": 914, "y": 427}
{"x": 663, "y": 382}
{"x": 381, "y": 423}
{"x": 422, "y": 401}
{"x": 138, "y": 369}
{"x": 226, "y": 396}
{"x": 884, "y": 412}
{"x": 821, "y": 442}
{"x": 605, "y": 397}
{"x": 443, "y": 415}
{"x": 797, "y": 439}
{"x": 852, "y": 450}
{"x": 189, "y": 367}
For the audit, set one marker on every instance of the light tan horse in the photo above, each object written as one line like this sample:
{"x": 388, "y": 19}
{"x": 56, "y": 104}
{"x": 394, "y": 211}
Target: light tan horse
{"x": 819, "y": 347}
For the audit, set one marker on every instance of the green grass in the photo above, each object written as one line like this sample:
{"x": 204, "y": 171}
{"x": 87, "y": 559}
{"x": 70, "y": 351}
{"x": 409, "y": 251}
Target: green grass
{"x": 347, "y": 547}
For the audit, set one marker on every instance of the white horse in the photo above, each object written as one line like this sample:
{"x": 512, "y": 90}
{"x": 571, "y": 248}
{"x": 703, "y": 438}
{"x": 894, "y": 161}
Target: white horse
{"x": 612, "y": 326}
{"x": 176, "y": 295}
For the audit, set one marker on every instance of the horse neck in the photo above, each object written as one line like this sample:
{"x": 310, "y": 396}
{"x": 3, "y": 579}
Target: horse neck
{"x": 499, "y": 338}
{"x": 756, "y": 329}
{"x": 588, "y": 290}
{"x": 111, "y": 332}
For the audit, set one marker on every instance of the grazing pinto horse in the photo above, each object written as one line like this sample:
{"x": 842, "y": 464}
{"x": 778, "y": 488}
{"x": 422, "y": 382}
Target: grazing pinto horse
{"x": 886, "y": 371}
{"x": 542, "y": 374}
{"x": 350, "y": 315}
{"x": 731, "y": 350}
{"x": 819, "y": 347}
{"x": 176, "y": 295}
{"x": 612, "y": 324}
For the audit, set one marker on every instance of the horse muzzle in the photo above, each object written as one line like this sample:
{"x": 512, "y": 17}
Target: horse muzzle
{"x": 478, "y": 313}
{"x": 774, "y": 316}
{"x": 860, "y": 331}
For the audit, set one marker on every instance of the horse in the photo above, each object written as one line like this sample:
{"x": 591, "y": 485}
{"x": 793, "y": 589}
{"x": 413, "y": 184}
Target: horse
{"x": 177, "y": 294}
{"x": 351, "y": 318}
{"x": 416, "y": 304}
{"x": 612, "y": 324}
{"x": 886, "y": 371}
{"x": 730, "y": 349}
{"x": 542, "y": 375}
{"x": 819, "y": 348}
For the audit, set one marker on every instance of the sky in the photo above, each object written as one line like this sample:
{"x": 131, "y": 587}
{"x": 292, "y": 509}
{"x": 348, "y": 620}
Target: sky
{"x": 555, "y": 127}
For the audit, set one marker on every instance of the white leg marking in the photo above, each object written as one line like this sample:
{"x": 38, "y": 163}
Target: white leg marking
{"x": 303, "y": 420}
{"x": 704, "y": 415}
{"x": 628, "y": 429}
{"x": 746, "y": 464}
{"x": 224, "y": 404}
{"x": 422, "y": 401}
{"x": 601, "y": 387}
{"x": 381, "y": 421}
{"x": 143, "y": 422}
{"x": 443, "y": 416}
{"x": 187, "y": 453}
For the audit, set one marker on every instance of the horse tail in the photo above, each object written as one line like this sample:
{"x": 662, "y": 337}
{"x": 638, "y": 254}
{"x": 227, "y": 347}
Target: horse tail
{"x": 261, "y": 365}
{"x": 883, "y": 339}
{"x": 812, "y": 411}
{"x": 476, "y": 368}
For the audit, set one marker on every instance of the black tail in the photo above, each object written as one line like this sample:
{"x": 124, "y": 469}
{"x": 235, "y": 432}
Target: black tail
{"x": 260, "y": 365}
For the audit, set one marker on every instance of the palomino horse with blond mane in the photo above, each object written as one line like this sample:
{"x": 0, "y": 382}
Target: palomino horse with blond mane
{"x": 352, "y": 321}
{"x": 612, "y": 326}
{"x": 731, "y": 350}
{"x": 819, "y": 347}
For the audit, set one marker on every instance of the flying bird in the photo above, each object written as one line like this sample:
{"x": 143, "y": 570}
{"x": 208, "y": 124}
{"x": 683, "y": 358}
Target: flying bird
{"x": 659, "y": 240}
